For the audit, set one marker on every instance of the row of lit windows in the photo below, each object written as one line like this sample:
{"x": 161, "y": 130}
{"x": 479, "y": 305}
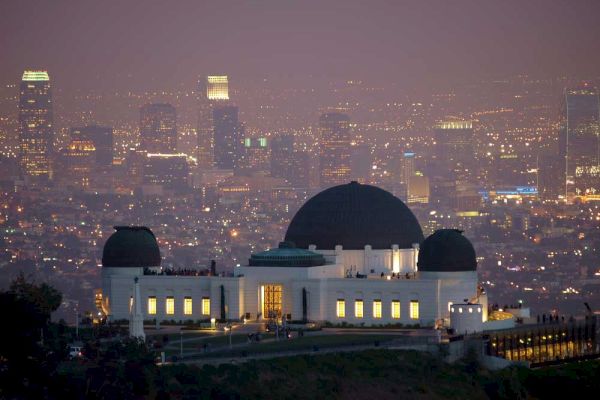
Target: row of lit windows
{"x": 377, "y": 309}
{"x": 188, "y": 305}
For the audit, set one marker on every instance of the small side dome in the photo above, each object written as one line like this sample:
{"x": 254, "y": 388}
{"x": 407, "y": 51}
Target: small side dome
{"x": 131, "y": 246}
{"x": 447, "y": 250}
{"x": 286, "y": 255}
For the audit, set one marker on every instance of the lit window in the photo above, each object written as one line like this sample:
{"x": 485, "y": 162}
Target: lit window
{"x": 152, "y": 305}
{"x": 460, "y": 309}
{"x": 450, "y": 306}
{"x": 358, "y": 308}
{"x": 414, "y": 309}
{"x": 206, "y": 306}
{"x": 340, "y": 309}
{"x": 130, "y": 304}
{"x": 187, "y": 306}
{"x": 170, "y": 306}
{"x": 396, "y": 309}
{"x": 470, "y": 309}
{"x": 377, "y": 308}
{"x": 478, "y": 309}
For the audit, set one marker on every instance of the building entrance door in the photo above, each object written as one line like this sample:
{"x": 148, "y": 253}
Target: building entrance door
{"x": 271, "y": 301}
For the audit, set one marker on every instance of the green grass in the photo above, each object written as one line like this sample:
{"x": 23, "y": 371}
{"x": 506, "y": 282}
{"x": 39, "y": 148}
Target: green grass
{"x": 301, "y": 344}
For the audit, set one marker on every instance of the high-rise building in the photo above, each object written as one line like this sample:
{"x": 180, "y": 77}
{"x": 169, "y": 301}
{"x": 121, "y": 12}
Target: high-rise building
{"x": 228, "y": 137}
{"x": 217, "y": 87}
{"x": 170, "y": 171}
{"x": 289, "y": 163}
{"x": 78, "y": 160}
{"x": 158, "y": 128}
{"x": 580, "y": 142}
{"x": 35, "y": 124}
{"x": 101, "y": 137}
{"x": 455, "y": 155}
{"x": 551, "y": 176}
{"x": 213, "y": 90}
{"x": 335, "y": 152}
{"x": 256, "y": 154}
{"x": 361, "y": 162}
{"x": 418, "y": 189}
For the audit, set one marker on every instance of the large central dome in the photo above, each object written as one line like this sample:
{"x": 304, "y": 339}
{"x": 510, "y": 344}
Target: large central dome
{"x": 353, "y": 216}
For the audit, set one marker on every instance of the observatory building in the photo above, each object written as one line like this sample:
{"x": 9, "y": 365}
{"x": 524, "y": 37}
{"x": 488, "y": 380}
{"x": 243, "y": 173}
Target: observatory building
{"x": 353, "y": 253}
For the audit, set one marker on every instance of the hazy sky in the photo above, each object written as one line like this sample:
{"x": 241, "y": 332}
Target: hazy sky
{"x": 417, "y": 42}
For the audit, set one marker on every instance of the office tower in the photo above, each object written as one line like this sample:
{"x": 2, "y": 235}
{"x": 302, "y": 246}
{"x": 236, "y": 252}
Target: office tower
{"x": 551, "y": 176}
{"x": 213, "y": 91}
{"x": 455, "y": 155}
{"x": 407, "y": 167}
{"x": 361, "y": 162}
{"x": 289, "y": 163}
{"x": 158, "y": 128}
{"x": 35, "y": 124}
{"x": 217, "y": 87}
{"x": 256, "y": 154}
{"x": 170, "y": 171}
{"x": 79, "y": 159}
{"x": 334, "y": 155}
{"x": 228, "y": 136}
{"x": 580, "y": 142}
{"x": 101, "y": 137}
{"x": 418, "y": 189}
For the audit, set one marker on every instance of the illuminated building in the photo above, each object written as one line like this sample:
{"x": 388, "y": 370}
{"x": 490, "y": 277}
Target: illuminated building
{"x": 217, "y": 87}
{"x": 289, "y": 163}
{"x": 101, "y": 137}
{"x": 334, "y": 149}
{"x": 418, "y": 189}
{"x": 35, "y": 124}
{"x": 256, "y": 154}
{"x": 228, "y": 137}
{"x": 213, "y": 90}
{"x": 580, "y": 142}
{"x": 351, "y": 254}
{"x": 79, "y": 159}
{"x": 454, "y": 149}
{"x": 167, "y": 170}
{"x": 158, "y": 128}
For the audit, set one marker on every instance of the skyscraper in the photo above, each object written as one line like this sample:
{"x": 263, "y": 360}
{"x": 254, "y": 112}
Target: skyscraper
{"x": 256, "y": 154}
{"x": 213, "y": 90}
{"x": 454, "y": 150}
{"x": 101, "y": 137}
{"x": 35, "y": 124}
{"x": 335, "y": 152}
{"x": 217, "y": 87}
{"x": 580, "y": 142}
{"x": 289, "y": 163}
{"x": 228, "y": 137}
{"x": 158, "y": 128}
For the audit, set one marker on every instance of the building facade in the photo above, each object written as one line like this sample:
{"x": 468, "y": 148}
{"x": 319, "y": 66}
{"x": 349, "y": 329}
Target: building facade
{"x": 353, "y": 253}
{"x": 158, "y": 128}
{"x": 35, "y": 124}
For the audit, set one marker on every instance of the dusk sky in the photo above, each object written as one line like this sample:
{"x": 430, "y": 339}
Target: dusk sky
{"x": 419, "y": 42}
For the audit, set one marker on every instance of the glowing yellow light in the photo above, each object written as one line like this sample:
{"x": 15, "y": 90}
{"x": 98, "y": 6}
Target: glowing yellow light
{"x": 414, "y": 309}
{"x": 170, "y": 306}
{"x": 358, "y": 308}
{"x": 152, "y": 305}
{"x": 340, "y": 309}
{"x": 187, "y": 306}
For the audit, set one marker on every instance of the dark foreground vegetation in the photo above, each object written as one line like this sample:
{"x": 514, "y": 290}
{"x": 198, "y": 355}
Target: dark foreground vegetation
{"x": 40, "y": 369}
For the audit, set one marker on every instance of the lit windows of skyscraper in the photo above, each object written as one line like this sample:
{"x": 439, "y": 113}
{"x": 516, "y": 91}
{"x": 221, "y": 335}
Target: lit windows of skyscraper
{"x": 35, "y": 124}
{"x": 213, "y": 90}
{"x": 289, "y": 163}
{"x": 580, "y": 142}
{"x": 101, "y": 137}
{"x": 335, "y": 152}
{"x": 217, "y": 87}
{"x": 170, "y": 171}
{"x": 256, "y": 154}
{"x": 455, "y": 153}
{"x": 158, "y": 128}
{"x": 228, "y": 137}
